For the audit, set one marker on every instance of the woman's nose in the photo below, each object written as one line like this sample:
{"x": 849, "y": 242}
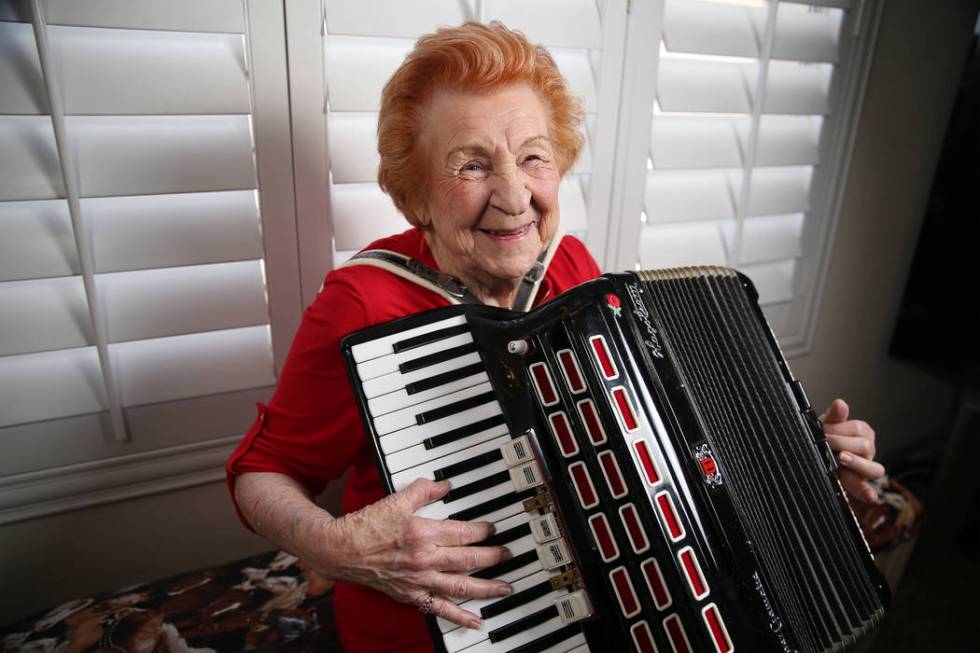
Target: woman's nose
{"x": 510, "y": 193}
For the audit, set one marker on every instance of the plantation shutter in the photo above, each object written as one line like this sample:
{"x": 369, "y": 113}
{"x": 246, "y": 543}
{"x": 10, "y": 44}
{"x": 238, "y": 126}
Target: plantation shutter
{"x": 364, "y": 43}
{"x": 132, "y": 272}
{"x": 748, "y": 117}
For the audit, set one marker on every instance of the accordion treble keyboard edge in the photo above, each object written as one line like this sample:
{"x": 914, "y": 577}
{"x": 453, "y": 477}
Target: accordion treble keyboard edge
{"x": 645, "y": 454}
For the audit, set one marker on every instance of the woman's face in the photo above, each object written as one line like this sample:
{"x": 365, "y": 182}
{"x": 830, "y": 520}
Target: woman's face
{"x": 493, "y": 184}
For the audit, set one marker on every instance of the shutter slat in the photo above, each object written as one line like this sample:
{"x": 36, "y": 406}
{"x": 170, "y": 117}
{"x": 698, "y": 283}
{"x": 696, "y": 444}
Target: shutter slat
{"x": 362, "y": 213}
{"x": 176, "y": 73}
{"x": 575, "y": 68}
{"x": 156, "y": 231}
{"x": 715, "y": 87}
{"x": 780, "y": 190}
{"x": 774, "y": 281}
{"x": 358, "y": 67}
{"x": 797, "y": 88}
{"x": 672, "y": 245}
{"x": 174, "y": 301}
{"x": 689, "y": 195}
{"x": 42, "y": 315}
{"x": 29, "y": 167}
{"x": 179, "y": 367}
{"x": 695, "y": 142}
{"x": 574, "y": 215}
{"x": 711, "y": 28}
{"x": 50, "y": 385}
{"x": 803, "y": 35}
{"x": 189, "y": 15}
{"x": 353, "y": 146}
{"x": 787, "y": 140}
{"x": 37, "y": 240}
{"x": 558, "y": 23}
{"x": 84, "y": 438}
{"x": 767, "y": 238}
{"x": 391, "y": 17}
{"x": 20, "y": 72}
{"x": 152, "y": 155}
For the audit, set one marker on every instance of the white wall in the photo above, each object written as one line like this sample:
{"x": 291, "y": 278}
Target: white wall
{"x": 920, "y": 49}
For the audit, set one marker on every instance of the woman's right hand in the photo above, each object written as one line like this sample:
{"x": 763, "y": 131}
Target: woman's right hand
{"x": 409, "y": 558}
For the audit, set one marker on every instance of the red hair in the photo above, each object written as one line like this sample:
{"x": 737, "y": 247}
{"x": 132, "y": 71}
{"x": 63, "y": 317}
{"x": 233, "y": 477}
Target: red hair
{"x": 472, "y": 57}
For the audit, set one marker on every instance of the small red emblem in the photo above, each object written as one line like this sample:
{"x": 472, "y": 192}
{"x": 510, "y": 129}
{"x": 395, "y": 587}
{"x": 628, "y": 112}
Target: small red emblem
{"x": 709, "y": 467}
{"x": 612, "y": 301}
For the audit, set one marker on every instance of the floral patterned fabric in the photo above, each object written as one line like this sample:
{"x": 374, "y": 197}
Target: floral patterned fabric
{"x": 269, "y": 603}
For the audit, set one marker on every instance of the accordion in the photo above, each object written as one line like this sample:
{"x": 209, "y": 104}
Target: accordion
{"x": 644, "y": 452}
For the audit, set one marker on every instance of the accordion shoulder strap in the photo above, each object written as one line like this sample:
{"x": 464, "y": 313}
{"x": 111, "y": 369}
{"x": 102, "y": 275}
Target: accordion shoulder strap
{"x": 454, "y": 290}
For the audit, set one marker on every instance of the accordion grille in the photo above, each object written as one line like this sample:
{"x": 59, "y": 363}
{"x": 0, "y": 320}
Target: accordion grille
{"x": 788, "y": 504}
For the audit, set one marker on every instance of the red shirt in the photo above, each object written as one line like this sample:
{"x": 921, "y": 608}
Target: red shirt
{"x": 311, "y": 429}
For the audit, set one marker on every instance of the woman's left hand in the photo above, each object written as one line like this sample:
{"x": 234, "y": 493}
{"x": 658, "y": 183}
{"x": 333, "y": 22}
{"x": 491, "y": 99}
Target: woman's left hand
{"x": 853, "y": 441}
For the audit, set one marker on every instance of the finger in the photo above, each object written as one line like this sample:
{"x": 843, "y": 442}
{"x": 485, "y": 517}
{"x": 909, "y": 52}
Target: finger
{"x": 862, "y": 467}
{"x": 422, "y": 491}
{"x": 857, "y": 487}
{"x": 451, "y": 532}
{"x": 858, "y": 446}
{"x": 853, "y": 427}
{"x": 466, "y": 587}
{"x": 449, "y": 611}
{"x": 836, "y": 412}
{"x": 469, "y": 558}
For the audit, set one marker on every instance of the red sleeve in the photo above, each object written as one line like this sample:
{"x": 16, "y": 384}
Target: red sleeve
{"x": 571, "y": 265}
{"x": 311, "y": 430}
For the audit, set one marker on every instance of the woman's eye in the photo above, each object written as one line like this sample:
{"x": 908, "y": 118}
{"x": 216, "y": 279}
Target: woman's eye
{"x": 472, "y": 167}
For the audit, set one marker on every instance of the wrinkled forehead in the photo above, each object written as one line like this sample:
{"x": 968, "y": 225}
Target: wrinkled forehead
{"x": 505, "y": 118}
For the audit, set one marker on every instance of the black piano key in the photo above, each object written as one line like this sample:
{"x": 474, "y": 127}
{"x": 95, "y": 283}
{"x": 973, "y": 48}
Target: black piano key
{"x": 438, "y": 357}
{"x": 463, "y": 432}
{"x": 467, "y": 465}
{"x": 506, "y": 566}
{"x": 522, "y": 624}
{"x": 455, "y": 407}
{"x": 549, "y": 640}
{"x": 431, "y": 336}
{"x": 507, "y": 536}
{"x": 484, "y": 483}
{"x": 445, "y": 377}
{"x": 473, "y": 512}
{"x": 514, "y": 600}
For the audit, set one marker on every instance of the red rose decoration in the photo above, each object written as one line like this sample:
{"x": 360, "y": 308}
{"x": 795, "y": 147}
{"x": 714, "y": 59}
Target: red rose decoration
{"x": 612, "y": 300}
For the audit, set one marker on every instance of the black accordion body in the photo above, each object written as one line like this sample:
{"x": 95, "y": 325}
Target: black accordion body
{"x": 646, "y": 455}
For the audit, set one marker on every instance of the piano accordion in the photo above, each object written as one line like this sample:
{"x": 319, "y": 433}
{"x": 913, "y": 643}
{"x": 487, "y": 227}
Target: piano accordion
{"x": 646, "y": 455}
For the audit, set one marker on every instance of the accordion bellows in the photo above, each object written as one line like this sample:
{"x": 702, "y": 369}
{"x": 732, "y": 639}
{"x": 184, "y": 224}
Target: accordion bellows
{"x": 643, "y": 450}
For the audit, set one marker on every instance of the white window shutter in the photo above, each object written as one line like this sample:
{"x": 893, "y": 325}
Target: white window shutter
{"x": 743, "y": 160}
{"x": 159, "y": 238}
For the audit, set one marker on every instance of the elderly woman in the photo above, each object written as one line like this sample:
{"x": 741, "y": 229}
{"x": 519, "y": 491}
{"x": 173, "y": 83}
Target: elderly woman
{"x": 476, "y": 130}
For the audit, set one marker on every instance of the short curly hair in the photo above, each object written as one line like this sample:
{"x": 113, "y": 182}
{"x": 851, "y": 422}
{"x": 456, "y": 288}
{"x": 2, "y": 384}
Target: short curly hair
{"x": 472, "y": 57}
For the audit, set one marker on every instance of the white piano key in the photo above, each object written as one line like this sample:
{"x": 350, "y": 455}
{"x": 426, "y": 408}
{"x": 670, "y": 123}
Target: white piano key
{"x": 520, "y": 639}
{"x": 414, "y": 435}
{"x": 415, "y": 454}
{"x": 387, "y": 364}
{"x": 406, "y": 417}
{"x": 427, "y": 469}
{"x": 475, "y": 605}
{"x": 574, "y": 644}
{"x": 396, "y": 380}
{"x": 382, "y": 346}
{"x": 441, "y": 510}
{"x": 401, "y": 399}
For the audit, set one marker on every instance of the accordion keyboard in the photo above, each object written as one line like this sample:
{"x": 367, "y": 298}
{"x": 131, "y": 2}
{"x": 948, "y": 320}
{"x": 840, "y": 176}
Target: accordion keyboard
{"x": 435, "y": 416}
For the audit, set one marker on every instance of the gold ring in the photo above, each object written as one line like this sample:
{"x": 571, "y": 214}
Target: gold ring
{"x": 425, "y": 605}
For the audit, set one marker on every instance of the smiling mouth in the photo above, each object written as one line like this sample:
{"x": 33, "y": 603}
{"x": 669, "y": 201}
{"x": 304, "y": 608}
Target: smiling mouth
{"x": 509, "y": 234}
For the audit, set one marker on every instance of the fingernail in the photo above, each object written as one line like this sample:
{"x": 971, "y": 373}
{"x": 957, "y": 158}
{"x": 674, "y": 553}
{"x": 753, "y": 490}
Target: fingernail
{"x": 506, "y": 555}
{"x": 846, "y": 459}
{"x": 504, "y": 590}
{"x": 474, "y": 624}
